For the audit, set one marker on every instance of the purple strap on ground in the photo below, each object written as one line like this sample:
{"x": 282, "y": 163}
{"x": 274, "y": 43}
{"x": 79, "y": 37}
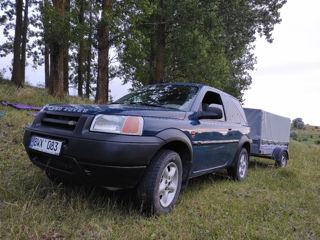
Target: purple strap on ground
{"x": 32, "y": 114}
{"x": 21, "y": 106}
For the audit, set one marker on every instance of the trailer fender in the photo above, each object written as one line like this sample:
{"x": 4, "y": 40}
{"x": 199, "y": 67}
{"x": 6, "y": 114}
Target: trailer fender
{"x": 277, "y": 153}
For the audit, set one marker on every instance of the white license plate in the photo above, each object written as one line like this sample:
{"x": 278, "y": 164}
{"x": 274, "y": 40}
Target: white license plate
{"x": 45, "y": 145}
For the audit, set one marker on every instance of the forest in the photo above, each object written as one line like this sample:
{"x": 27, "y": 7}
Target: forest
{"x": 87, "y": 44}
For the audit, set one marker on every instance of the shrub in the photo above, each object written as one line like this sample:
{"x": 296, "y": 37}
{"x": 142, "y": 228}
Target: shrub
{"x": 298, "y": 123}
{"x": 294, "y": 134}
{"x": 317, "y": 141}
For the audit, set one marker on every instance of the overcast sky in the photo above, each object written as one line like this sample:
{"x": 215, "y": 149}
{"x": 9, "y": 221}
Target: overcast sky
{"x": 287, "y": 76}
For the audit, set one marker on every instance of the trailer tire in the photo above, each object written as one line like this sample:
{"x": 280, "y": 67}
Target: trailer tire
{"x": 281, "y": 158}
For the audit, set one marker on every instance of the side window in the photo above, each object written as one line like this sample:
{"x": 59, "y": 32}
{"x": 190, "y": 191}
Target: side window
{"x": 234, "y": 110}
{"x": 212, "y": 99}
{"x": 241, "y": 115}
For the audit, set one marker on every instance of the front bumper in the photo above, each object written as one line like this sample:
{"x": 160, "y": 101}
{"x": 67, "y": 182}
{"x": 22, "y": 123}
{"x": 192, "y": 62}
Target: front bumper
{"x": 117, "y": 161}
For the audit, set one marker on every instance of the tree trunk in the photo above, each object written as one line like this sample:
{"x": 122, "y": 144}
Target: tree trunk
{"x": 160, "y": 49}
{"x": 80, "y": 68}
{"x": 88, "y": 79}
{"x": 81, "y": 51}
{"x": 47, "y": 60}
{"x": 52, "y": 81}
{"x": 103, "y": 55}
{"x": 66, "y": 54}
{"x": 47, "y": 66}
{"x": 152, "y": 51}
{"x": 16, "y": 70}
{"x": 161, "y": 43}
{"x": 66, "y": 69}
{"x": 98, "y": 86}
{"x": 24, "y": 41}
{"x": 57, "y": 54}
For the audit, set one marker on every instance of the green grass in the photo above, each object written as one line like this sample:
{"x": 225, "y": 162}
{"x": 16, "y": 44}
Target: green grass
{"x": 270, "y": 204}
{"x": 309, "y": 135}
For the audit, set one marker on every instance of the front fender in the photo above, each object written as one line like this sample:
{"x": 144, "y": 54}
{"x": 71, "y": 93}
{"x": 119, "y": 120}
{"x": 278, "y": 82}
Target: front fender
{"x": 172, "y": 135}
{"x": 178, "y": 141}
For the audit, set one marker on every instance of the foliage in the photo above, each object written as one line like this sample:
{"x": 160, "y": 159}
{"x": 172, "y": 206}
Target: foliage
{"x": 308, "y": 134}
{"x": 203, "y": 41}
{"x": 7, "y": 23}
{"x": 298, "y": 123}
{"x": 207, "y": 42}
{"x": 264, "y": 206}
{"x": 293, "y": 134}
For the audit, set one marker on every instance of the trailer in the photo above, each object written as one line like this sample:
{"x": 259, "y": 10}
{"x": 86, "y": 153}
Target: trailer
{"x": 270, "y": 134}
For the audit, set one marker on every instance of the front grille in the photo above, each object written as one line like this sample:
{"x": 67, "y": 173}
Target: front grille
{"x": 60, "y": 121}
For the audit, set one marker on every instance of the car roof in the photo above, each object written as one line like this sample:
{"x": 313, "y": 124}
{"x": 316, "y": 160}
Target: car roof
{"x": 200, "y": 86}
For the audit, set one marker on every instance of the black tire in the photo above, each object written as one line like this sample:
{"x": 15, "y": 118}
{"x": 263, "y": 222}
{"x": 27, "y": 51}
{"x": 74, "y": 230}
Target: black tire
{"x": 52, "y": 177}
{"x": 56, "y": 179}
{"x": 165, "y": 171}
{"x": 240, "y": 168}
{"x": 281, "y": 159}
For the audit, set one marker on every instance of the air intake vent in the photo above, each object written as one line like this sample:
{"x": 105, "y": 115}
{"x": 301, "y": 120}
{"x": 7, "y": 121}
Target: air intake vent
{"x": 65, "y": 122}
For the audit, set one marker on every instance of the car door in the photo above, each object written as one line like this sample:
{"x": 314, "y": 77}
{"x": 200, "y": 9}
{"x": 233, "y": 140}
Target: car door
{"x": 214, "y": 143}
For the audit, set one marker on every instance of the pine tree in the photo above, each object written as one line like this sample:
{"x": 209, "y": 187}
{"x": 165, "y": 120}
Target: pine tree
{"x": 16, "y": 70}
{"x": 103, "y": 52}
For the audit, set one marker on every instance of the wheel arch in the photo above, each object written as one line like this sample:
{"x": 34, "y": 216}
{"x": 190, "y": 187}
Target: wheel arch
{"x": 247, "y": 146}
{"x": 278, "y": 151}
{"x": 244, "y": 142}
{"x": 178, "y": 141}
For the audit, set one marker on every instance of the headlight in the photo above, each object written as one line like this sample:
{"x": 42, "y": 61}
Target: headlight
{"x": 117, "y": 124}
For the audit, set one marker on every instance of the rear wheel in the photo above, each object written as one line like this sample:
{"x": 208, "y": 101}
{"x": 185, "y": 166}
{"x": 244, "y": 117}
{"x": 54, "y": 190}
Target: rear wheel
{"x": 239, "y": 170}
{"x": 160, "y": 187}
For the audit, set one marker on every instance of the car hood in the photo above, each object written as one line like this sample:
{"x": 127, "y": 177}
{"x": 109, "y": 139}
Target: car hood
{"x": 117, "y": 109}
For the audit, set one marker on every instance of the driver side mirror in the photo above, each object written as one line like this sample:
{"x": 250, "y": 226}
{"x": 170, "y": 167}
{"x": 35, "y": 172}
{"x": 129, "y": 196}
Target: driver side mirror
{"x": 210, "y": 113}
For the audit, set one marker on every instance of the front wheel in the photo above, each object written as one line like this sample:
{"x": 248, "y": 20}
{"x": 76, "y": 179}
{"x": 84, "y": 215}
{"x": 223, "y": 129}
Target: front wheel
{"x": 160, "y": 187}
{"x": 239, "y": 170}
{"x": 53, "y": 177}
{"x": 56, "y": 179}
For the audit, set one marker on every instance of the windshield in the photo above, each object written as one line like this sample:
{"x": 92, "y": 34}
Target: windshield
{"x": 167, "y": 96}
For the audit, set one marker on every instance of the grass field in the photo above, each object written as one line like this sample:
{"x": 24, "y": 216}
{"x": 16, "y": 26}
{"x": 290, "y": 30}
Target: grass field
{"x": 270, "y": 204}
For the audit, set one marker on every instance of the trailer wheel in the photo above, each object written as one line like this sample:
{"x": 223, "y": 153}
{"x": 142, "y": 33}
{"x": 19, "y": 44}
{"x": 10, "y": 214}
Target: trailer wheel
{"x": 281, "y": 159}
{"x": 239, "y": 170}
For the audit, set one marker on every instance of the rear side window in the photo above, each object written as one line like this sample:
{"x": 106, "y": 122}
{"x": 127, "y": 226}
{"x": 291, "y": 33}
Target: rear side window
{"x": 212, "y": 99}
{"x": 234, "y": 111}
